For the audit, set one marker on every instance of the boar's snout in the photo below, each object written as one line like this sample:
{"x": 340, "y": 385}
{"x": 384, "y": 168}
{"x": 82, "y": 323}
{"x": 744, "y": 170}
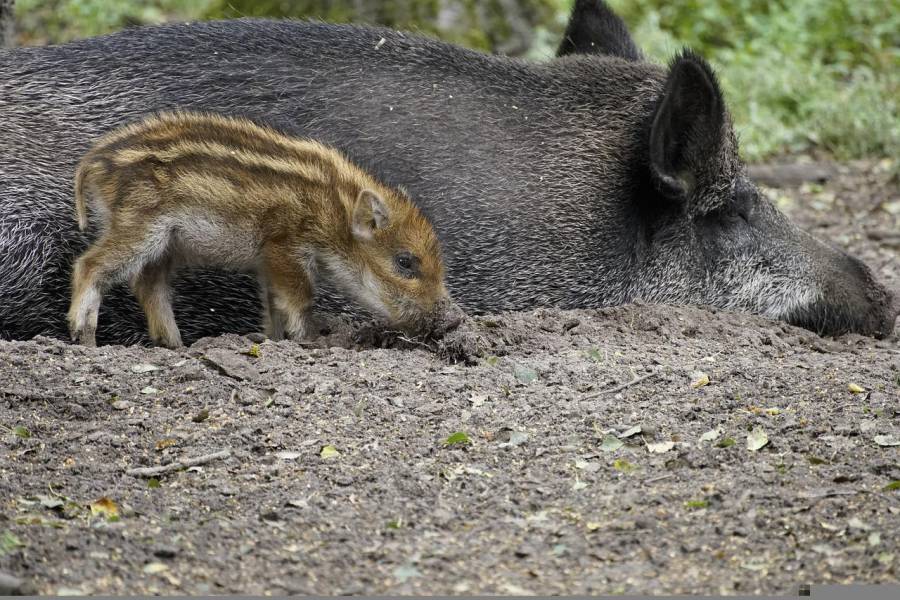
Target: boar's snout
{"x": 851, "y": 299}
{"x": 894, "y": 312}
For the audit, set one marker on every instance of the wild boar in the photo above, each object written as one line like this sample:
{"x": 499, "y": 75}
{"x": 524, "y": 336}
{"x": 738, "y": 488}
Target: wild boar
{"x": 593, "y": 179}
{"x": 205, "y": 190}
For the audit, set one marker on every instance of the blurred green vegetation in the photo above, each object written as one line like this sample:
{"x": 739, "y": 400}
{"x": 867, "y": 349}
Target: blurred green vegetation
{"x": 800, "y": 75}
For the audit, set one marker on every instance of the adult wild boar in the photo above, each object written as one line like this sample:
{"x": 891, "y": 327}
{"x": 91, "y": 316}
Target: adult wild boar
{"x": 594, "y": 179}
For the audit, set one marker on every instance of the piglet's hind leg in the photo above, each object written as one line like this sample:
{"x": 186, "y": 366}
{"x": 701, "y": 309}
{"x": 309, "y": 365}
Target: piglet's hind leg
{"x": 92, "y": 274}
{"x": 86, "y": 296}
{"x": 152, "y": 288}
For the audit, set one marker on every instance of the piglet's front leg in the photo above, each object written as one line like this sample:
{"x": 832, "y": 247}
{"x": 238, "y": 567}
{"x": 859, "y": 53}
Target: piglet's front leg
{"x": 290, "y": 295}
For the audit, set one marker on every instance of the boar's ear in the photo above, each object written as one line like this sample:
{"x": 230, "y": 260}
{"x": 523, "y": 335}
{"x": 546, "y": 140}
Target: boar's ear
{"x": 687, "y": 126}
{"x": 595, "y": 29}
{"x": 369, "y": 214}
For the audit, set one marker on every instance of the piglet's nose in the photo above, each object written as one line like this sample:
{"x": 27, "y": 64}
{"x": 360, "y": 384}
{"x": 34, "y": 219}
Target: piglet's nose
{"x": 448, "y": 316}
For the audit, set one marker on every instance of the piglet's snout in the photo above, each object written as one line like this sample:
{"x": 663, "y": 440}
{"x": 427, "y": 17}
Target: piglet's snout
{"x": 446, "y": 316}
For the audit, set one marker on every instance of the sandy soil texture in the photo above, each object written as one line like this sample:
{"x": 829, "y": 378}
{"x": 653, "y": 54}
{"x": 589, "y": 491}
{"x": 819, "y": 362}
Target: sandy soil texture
{"x": 638, "y": 449}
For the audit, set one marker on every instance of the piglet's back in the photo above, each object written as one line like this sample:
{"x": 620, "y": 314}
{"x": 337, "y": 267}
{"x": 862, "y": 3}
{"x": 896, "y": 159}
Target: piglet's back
{"x": 212, "y": 159}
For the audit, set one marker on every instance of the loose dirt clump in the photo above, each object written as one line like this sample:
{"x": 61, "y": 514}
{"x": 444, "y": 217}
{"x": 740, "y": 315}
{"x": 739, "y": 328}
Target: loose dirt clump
{"x": 637, "y": 449}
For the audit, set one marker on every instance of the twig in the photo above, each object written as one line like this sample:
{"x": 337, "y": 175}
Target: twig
{"x": 619, "y": 388}
{"x": 829, "y": 494}
{"x": 659, "y": 478}
{"x": 178, "y": 464}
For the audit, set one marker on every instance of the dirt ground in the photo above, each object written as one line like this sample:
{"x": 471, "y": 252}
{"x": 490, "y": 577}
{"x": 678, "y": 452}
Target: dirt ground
{"x": 336, "y": 469}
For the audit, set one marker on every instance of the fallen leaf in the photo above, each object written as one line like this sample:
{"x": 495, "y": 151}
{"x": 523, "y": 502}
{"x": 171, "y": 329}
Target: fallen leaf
{"x": 611, "y": 443}
{"x": 9, "y": 542}
{"x": 406, "y": 572}
{"x": 620, "y": 464}
{"x": 201, "y": 416}
{"x": 524, "y": 374}
{"x": 726, "y": 443}
{"x": 855, "y": 389}
{"x": 867, "y": 426}
{"x": 711, "y": 435}
{"x": 630, "y": 431}
{"x": 886, "y": 440}
{"x": 578, "y": 485}
{"x": 587, "y": 466}
{"x": 695, "y": 504}
{"x": 477, "y": 399}
{"x": 105, "y": 507}
{"x": 756, "y": 439}
{"x": 892, "y": 486}
{"x": 50, "y": 502}
{"x": 21, "y": 432}
{"x": 166, "y": 443}
{"x": 144, "y": 368}
{"x": 594, "y": 355}
{"x": 593, "y": 525}
{"x": 699, "y": 379}
{"x": 253, "y": 351}
{"x": 329, "y": 451}
{"x": 153, "y": 483}
{"x": 660, "y": 447}
{"x": 149, "y": 390}
{"x": 460, "y": 437}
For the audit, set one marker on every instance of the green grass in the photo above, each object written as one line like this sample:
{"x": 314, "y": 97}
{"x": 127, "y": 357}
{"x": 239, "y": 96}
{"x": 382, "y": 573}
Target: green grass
{"x": 799, "y": 75}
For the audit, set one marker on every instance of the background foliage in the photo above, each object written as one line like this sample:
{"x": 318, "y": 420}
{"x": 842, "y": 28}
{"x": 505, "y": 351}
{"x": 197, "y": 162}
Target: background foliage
{"x": 800, "y": 75}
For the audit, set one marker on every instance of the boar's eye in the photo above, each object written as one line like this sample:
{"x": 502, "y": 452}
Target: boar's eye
{"x": 407, "y": 264}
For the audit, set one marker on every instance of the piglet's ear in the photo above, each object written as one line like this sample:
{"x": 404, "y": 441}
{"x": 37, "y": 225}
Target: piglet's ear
{"x": 688, "y": 125}
{"x": 369, "y": 214}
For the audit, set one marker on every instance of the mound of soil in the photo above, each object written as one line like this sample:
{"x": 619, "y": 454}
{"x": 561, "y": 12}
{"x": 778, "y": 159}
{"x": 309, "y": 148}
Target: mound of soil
{"x": 638, "y": 449}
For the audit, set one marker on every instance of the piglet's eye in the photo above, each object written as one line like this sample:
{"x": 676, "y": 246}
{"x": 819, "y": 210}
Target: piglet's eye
{"x": 407, "y": 264}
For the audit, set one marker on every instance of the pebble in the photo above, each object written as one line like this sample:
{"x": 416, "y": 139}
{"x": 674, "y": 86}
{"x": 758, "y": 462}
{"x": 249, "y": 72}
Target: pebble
{"x": 10, "y": 585}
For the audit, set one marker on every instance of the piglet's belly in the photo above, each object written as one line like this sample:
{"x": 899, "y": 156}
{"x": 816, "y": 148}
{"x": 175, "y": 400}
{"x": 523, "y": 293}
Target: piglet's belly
{"x": 202, "y": 241}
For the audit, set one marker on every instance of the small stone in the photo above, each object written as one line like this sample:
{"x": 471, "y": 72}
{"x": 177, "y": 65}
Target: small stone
{"x": 165, "y": 551}
{"x": 10, "y": 585}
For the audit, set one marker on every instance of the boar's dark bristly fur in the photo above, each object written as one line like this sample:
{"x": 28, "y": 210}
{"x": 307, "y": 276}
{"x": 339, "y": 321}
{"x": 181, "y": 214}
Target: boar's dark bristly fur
{"x": 587, "y": 181}
{"x": 595, "y": 29}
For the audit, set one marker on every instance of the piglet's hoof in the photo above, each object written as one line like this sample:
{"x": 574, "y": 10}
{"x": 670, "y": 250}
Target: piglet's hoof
{"x": 85, "y": 337}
